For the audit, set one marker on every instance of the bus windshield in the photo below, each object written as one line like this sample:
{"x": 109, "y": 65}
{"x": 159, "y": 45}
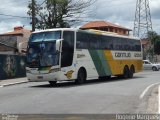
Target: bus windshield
{"x": 45, "y": 36}
{"x": 42, "y": 49}
{"x": 42, "y": 54}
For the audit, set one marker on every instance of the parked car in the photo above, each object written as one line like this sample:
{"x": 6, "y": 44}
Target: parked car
{"x": 147, "y": 65}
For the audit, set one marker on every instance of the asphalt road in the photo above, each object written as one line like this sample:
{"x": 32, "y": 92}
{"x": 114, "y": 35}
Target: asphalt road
{"x": 93, "y": 97}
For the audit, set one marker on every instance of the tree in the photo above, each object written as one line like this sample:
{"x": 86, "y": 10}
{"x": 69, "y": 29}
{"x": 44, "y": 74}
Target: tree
{"x": 152, "y": 36}
{"x": 157, "y": 45}
{"x": 58, "y": 13}
{"x": 154, "y": 47}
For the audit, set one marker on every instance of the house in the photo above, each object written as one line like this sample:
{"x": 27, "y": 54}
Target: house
{"x": 10, "y": 41}
{"x": 145, "y": 43}
{"x": 106, "y": 26}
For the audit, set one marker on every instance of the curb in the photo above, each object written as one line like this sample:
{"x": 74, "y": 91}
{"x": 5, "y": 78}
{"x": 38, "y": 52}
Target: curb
{"x": 147, "y": 89}
{"x": 9, "y": 84}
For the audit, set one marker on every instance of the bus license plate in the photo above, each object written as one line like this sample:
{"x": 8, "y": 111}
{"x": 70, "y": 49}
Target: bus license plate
{"x": 40, "y": 77}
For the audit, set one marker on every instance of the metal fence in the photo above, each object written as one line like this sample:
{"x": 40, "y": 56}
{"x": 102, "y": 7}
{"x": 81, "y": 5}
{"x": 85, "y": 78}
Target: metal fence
{"x": 12, "y": 66}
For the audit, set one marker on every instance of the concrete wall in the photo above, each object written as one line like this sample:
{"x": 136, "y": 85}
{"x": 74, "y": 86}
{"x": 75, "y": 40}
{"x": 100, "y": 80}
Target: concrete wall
{"x": 12, "y": 66}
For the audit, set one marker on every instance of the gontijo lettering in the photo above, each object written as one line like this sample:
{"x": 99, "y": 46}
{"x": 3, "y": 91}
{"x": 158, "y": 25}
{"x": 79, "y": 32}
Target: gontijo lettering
{"x": 122, "y": 55}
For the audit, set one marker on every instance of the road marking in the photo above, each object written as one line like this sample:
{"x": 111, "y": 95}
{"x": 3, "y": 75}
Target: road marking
{"x": 1, "y": 86}
{"x": 146, "y": 90}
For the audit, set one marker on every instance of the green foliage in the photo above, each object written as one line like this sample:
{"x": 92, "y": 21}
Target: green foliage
{"x": 152, "y": 36}
{"x": 58, "y": 13}
{"x": 157, "y": 46}
{"x": 155, "y": 43}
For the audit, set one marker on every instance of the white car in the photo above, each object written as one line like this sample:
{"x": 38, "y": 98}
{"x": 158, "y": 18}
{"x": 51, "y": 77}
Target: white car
{"x": 147, "y": 65}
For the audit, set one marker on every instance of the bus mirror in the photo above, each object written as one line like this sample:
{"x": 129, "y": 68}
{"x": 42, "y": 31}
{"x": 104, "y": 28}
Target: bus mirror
{"x": 23, "y": 51}
{"x": 22, "y": 47}
{"x": 58, "y": 45}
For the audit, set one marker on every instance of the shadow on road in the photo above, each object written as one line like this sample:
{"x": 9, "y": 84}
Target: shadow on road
{"x": 68, "y": 84}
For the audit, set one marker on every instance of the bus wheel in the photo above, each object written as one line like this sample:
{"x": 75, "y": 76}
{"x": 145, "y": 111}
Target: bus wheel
{"x": 120, "y": 76}
{"x": 81, "y": 76}
{"x": 131, "y": 72}
{"x": 108, "y": 77}
{"x": 126, "y": 72}
{"x": 102, "y": 78}
{"x": 52, "y": 83}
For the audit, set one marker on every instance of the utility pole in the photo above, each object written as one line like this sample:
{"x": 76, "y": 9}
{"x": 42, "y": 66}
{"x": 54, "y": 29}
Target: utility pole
{"x": 142, "y": 22}
{"x": 142, "y": 26}
{"x": 33, "y": 15}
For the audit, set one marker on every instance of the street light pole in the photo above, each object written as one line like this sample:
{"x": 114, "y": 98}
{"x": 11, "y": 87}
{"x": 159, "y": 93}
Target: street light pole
{"x": 33, "y": 15}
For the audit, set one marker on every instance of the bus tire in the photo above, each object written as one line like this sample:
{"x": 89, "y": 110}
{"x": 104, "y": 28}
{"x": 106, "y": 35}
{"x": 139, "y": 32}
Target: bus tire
{"x": 119, "y": 76}
{"x": 101, "y": 78}
{"x": 126, "y": 72}
{"x": 131, "y": 72}
{"x": 108, "y": 77}
{"x": 81, "y": 77}
{"x": 52, "y": 83}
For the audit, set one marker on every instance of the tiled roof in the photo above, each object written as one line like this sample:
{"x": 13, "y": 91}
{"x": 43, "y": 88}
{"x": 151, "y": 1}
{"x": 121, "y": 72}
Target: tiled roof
{"x": 96, "y": 24}
{"x": 17, "y": 31}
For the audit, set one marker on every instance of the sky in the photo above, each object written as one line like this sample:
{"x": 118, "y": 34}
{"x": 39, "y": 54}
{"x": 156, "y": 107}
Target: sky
{"x": 121, "y": 12}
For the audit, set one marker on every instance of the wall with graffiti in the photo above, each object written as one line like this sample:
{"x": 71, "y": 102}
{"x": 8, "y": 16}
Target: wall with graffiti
{"x": 12, "y": 66}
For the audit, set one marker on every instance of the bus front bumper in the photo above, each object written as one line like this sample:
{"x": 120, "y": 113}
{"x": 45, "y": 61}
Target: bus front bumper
{"x": 43, "y": 77}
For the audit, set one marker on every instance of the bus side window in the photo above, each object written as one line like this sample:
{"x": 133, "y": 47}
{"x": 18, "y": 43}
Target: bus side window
{"x": 95, "y": 42}
{"x": 82, "y": 40}
{"x": 137, "y": 46}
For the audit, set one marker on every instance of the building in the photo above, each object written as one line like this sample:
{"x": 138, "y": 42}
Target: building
{"x": 10, "y": 41}
{"x": 106, "y": 26}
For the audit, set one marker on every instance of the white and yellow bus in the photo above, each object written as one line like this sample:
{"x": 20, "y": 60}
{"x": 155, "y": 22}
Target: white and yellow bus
{"x": 71, "y": 54}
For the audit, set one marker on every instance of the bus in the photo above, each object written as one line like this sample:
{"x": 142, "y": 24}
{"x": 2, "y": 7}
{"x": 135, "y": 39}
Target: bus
{"x": 65, "y": 54}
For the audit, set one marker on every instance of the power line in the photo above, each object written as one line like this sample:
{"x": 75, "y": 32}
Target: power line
{"x": 13, "y": 18}
{"x": 42, "y": 3}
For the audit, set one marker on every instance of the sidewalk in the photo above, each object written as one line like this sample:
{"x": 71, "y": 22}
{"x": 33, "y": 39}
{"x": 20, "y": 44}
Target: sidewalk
{"x": 9, "y": 82}
{"x": 153, "y": 101}
{"x": 159, "y": 99}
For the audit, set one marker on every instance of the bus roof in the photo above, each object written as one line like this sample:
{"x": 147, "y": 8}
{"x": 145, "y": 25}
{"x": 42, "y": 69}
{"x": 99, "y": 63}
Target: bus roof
{"x": 56, "y": 29}
{"x": 92, "y": 31}
{"x": 105, "y": 33}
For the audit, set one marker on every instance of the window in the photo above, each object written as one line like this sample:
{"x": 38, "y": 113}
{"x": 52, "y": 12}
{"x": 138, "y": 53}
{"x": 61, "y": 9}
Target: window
{"x": 137, "y": 45}
{"x": 106, "y": 42}
{"x": 82, "y": 40}
{"x": 94, "y": 41}
{"x": 116, "y": 43}
{"x": 111, "y": 29}
{"x": 67, "y": 48}
{"x": 124, "y": 32}
{"x": 45, "y": 36}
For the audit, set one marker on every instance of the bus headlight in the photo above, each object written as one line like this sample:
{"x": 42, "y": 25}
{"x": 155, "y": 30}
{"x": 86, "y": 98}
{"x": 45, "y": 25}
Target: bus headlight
{"x": 54, "y": 70}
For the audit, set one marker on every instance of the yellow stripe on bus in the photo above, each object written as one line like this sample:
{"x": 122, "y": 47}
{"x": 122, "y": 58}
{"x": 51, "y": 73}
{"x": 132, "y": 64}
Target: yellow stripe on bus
{"x": 117, "y": 66}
